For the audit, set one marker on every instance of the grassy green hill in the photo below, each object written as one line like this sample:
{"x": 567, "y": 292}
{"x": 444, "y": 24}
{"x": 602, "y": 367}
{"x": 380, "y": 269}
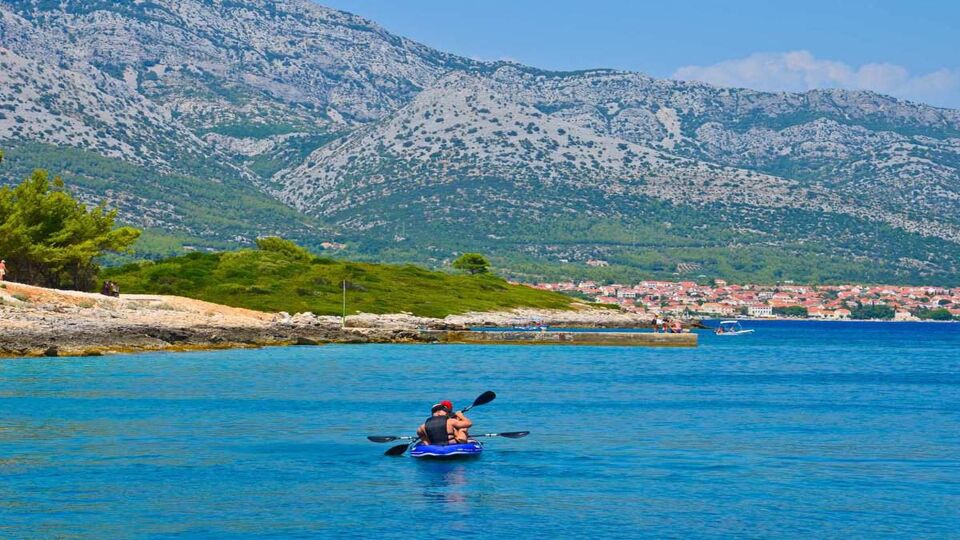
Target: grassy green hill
{"x": 288, "y": 278}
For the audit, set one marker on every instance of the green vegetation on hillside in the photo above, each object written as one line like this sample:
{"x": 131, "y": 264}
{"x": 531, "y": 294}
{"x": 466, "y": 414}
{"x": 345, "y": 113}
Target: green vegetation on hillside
{"x": 650, "y": 239}
{"x": 209, "y": 206}
{"x": 281, "y": 276}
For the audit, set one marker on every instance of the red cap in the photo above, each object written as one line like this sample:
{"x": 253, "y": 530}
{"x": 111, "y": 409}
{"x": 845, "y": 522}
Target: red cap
{"x": 445, "y": 404}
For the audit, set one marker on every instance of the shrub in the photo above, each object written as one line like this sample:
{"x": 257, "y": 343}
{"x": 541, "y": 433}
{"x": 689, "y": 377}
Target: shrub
{"x": 287, "y": 248}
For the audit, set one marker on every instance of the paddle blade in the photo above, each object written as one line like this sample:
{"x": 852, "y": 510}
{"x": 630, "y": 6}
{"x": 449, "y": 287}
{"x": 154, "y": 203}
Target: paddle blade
{"x": 382, "y": 438}
{"x": 484, "y": 398}
{"x": 397, "y": 450}
{"x": 515, "y": 434}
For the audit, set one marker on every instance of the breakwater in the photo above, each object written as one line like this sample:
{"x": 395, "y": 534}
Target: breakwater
{"x": 560, "y": 337}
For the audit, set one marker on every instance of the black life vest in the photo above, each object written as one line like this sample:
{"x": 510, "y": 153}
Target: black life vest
{"x": 436, "y": 428}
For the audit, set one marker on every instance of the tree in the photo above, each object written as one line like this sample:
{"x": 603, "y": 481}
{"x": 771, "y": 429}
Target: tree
{"x": 50, "y": 239}
{"x": 792, "y": 311}
{"x": 830, "y": 294}
{"x": 285, "y": 247}
{"x": 473, "y": 263}
{"x": 940, "y": 314}
{"x": 872, "y": 312}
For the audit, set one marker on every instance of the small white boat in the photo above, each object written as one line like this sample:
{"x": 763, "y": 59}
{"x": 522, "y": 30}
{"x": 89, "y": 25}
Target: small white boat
{"x": 731, "y": 328}
{"x": 533, "y": 326}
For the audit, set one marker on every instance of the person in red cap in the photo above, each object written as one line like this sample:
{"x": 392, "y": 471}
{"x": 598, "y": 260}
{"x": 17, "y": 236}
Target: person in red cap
{"x": 444, "y": 426}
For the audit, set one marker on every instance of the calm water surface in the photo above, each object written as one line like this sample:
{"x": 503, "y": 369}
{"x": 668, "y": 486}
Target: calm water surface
{"x": 802, "y": 429}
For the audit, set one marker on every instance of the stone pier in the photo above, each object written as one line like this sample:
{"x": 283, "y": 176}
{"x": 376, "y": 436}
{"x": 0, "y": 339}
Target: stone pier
{"x": 560, "y": 337}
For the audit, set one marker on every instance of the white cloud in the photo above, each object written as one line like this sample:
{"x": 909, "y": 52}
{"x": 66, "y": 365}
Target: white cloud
{"x": 799, "y": 71}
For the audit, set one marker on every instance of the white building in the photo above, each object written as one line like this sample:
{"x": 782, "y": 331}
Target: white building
{"x": 901, "y": 315}
{"x": 760, "y": 311}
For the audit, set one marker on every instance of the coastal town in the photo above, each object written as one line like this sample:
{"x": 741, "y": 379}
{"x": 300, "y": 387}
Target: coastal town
{"x": 722, "y": 299}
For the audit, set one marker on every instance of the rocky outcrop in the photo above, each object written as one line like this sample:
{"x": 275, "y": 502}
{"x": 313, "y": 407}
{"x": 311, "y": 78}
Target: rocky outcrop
{"x": 585, "y": 317}
{"x": 580, "y": 316}
{"x": 35, "y": 321}
{"x": 42, "y": 322}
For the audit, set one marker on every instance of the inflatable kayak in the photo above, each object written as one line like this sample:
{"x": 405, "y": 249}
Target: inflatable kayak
{"x": 468, "y": 449}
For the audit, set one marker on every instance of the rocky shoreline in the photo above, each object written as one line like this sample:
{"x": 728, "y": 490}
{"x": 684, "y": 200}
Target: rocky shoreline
{"x": 43, "y": 322}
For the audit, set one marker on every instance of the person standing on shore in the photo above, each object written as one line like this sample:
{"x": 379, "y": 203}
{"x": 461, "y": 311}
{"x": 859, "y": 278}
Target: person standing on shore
{"x": 3, "y": 270}
{"x": 677, "y": 327}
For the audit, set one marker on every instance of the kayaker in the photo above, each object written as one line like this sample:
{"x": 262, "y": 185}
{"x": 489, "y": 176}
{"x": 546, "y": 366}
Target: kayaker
{"x": 444, "y": 427}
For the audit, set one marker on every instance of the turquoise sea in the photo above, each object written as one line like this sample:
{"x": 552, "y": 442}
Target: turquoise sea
{"x": 827, "y": 430}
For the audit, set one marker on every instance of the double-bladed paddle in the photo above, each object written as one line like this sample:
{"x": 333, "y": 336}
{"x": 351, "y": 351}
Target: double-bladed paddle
{"x": 400, "y": 449}
{"x": 391, "y": 438}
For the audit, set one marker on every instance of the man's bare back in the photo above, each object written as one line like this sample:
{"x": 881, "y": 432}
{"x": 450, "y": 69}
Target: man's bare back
{"x": 455, "y": 426}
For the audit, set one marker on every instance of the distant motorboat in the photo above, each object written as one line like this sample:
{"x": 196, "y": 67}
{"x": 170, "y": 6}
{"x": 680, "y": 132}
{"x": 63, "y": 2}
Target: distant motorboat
{"x": 731, "y": 328}
{"x": 532, "y": 328}
{"x": 535, "y": 326}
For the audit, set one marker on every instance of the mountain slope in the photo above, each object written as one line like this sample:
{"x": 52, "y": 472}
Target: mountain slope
{"x": 175, "y": 94}
{"x": 899, "y": 156}
{"x": 487, "y": 159}
{"x": 242, "y": 62}
{"x": 222, "y": 120}
{"x": 464, "y": 131}
{"x": 112, "y": 143}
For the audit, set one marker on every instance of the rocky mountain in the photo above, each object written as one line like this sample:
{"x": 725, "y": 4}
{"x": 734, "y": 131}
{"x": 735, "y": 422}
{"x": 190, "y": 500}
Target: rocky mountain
{"x": 499, "y": 157}
{"x": 202, "y": 117}
{"x": 228, "y": 63}
{"x": 471, "y": 151}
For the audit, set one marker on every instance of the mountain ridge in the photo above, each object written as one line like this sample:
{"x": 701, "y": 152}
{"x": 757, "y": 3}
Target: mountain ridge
{"x": 411, "y": 154}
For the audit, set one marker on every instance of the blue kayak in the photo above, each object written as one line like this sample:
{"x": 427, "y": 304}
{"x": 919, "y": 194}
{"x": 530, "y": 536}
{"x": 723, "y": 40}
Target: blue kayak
{"x": 468, "y": 449}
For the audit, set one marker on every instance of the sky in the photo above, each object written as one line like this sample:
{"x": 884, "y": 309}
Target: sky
{"x": 909, "y": 49}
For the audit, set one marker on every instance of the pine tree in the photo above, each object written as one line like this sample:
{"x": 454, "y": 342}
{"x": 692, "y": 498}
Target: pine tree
{"x": 49, "y": 238}
{"x": 473, "y": 263}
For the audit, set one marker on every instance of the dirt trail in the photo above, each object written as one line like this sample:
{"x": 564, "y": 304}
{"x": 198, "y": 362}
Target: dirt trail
{"x": 188, "y": 310}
